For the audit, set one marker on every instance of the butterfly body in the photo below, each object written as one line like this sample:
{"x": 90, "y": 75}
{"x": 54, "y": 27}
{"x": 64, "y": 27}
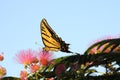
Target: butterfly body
{"x": 51, "y": 40}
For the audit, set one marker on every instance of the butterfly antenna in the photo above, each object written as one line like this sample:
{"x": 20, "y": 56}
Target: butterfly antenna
{"x": 38, "y": 44}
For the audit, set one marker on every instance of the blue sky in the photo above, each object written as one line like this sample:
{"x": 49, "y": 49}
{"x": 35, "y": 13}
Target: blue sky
{"x": 78, "y": 22}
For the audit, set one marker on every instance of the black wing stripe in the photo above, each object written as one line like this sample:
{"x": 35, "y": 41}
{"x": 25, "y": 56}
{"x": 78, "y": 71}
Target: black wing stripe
{"x": 43, "y": 30}
{"x": 45, "y": 34}
{"x": 49, "y": 42}
{"x": 54, "y": 35}
{"x": 48, "y": 27}
{"x": 51, "y": 47}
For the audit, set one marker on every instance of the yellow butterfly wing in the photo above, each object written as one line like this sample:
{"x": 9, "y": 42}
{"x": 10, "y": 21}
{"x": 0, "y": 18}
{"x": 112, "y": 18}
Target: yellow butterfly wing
{"x": 49, "y": 37}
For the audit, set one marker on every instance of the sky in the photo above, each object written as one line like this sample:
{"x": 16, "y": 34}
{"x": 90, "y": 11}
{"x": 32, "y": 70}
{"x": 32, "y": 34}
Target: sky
{"x": 78, "y": 22}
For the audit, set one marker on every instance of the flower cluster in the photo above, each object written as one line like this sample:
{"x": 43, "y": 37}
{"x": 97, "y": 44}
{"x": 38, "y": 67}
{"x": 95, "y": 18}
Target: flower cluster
{"x": 2, "y": 69}
{"x": 23, "y": 75}
{"x": 97, "y": 49}
{"x": 26, "y": 57}
{"x": 33, "y": 61}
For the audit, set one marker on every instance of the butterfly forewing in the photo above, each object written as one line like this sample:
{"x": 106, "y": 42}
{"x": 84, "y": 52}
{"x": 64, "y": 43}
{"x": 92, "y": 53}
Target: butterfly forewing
{"x": 51, "y": 40}
{"x": 49, "y": 37}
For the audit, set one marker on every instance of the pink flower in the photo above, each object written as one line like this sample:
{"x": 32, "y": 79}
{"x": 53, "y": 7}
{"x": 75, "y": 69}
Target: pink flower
{"x": 1, "y": 56}
{"x": 34, "y": 67}
{"x": 2, "y": 71}
{"x": 117, "y": 49}
{"x": 26, "y": 57}
{"x": 60, "y": 69}
{"x": 102, "y": 38}
{"x": 44, "y": 57}
{"x": 93, "y": 51}
{"x": 23, "y": 75}
{"x": 50, "y": 78}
